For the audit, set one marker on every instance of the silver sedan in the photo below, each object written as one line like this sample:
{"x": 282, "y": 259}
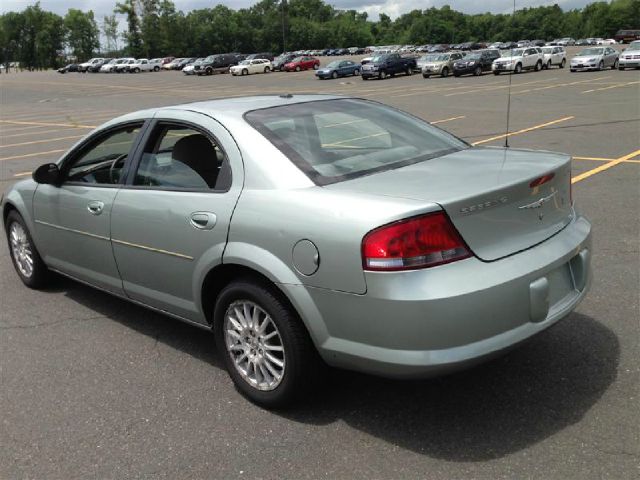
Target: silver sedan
{"x": 308, "y": 231}
{"x": 595, "y": 58}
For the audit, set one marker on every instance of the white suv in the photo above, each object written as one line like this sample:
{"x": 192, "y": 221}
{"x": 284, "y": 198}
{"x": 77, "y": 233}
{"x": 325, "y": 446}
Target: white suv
{"x": 140, "y": 65}
{"x": 554, "y": 56}
{"x": 517, "y": 60}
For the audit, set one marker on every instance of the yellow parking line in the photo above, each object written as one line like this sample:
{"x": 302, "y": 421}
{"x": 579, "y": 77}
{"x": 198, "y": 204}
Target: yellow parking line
{"x": 46, "y": 140}
{"x": 524, "y": 130}
{"x": 598, "y": 159}
{"x": 617, "y": 85}
{"x": 435, "y": 122}
{"x": 604, "y": 167}
{"x": 13, "y": 157}
{"x": 22, "y": 174}
{"x": 43, "y": 124}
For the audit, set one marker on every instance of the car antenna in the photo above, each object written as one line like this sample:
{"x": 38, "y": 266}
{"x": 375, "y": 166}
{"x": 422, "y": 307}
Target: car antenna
{"x": 506, "y": 136}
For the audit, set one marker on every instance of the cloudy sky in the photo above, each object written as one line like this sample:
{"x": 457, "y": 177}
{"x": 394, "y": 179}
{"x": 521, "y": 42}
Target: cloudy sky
{"x": 393, "y": 8}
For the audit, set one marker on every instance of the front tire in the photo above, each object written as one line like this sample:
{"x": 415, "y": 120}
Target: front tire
{"x": 245, "y": 71}
{"x": 563, "y": 63}
{"x": 445, "y": 72}
{"x": 26, "y": 259}
{"x": 265, "y": 347}
{"x": 477, "y": 72}
{"x": 518, "y": 68}
{"x": 334, "y": 74}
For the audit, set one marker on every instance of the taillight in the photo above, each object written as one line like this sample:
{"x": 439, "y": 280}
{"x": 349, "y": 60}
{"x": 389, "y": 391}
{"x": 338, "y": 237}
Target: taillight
{"x": 542, "y": 180}
{"x": 414, "y": 243}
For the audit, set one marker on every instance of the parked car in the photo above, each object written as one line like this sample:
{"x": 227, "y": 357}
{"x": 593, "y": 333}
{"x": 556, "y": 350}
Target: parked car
{"x": 302, "y": 63}
{"x": 96, "y": 66}
{"x": 606, "y": 41}
{"x": 142, "y": 65}
{"x": 124, "y": 66}
{"x": 518, "y": 60}
{"x": 595, "y": 58}
{"x": 110, "y": 66}
{"x": 382, "y": 66}
{"x": 440, "y": 64}
{"x": 216, "y": 64}
{"x": 266, "y": 55}
{"x": 384, "y": 206}
{"x": 171, "y": 64}
{"x": 72, "y": 67}
{"x": 630, "y": 58}
{"x": 554, "y": 56}
{"x": 523, "y": 43}
{"x": 339, "y": 68}
{"x": 279, "y": 62}
{"x": 84, "y": 67}
{"x": 190, "y": 69}
{"x": 627, "y": 36}
{"x": 566, "y": 42}
{"x": 247, "y": 67}
{"x": 475, "y": 62}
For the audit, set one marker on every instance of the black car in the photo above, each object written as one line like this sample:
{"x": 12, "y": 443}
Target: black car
{"x": 72, "y": 67}
{"x": 280, "y": 60}
{"x": 439, "y": 48}
{"x": 538, "y": 43}
{"x": 475, "y": 63}
{"x": 382, "y": 66}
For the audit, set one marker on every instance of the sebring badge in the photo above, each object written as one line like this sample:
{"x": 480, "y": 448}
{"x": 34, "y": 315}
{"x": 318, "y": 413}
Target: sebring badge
{"x": 483, "y": 206}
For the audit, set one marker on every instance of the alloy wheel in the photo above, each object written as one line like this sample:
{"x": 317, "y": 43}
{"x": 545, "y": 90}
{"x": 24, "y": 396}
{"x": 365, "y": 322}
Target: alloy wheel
{"x": 21, "y": 249}
{"x": 254, "y": 344}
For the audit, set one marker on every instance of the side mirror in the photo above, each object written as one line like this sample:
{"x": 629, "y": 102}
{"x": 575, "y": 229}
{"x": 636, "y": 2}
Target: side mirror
{"x": 49, "y": 173}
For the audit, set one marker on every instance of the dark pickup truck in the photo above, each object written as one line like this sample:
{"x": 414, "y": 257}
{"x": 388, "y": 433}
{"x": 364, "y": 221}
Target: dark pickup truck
{"x": 382, "y": 66}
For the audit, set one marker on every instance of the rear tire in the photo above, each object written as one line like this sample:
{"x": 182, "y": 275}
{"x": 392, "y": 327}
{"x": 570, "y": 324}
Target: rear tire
{"x": 548, "y": 67}
{"x": 156, "y": 69}
{"x": 563, "y": 63}
{"x": 538, "y": 66}
{"x": 249, "y": 317}
{"x": 409, "y": 71}
{"x": 356, "y": 72}
{"x": 26, "y": 259}
{"x": 424, "y": 75}
{"x": 615, "y": 65}
{"x": 478, "y": 71}
{"x": 267, "y": 69}
{"x": 601, "y": 65}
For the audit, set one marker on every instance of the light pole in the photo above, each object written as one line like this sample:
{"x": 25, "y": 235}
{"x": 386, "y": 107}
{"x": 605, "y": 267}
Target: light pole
{"x": 284, "y": 43}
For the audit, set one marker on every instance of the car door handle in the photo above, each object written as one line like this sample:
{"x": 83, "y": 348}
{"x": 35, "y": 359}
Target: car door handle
{"x": 203, "y": 220}
{"x": 95, "y": 207}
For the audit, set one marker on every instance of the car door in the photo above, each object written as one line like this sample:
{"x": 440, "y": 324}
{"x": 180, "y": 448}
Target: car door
{"x": 74, "y": 216}
{"x": 170, "y": 220}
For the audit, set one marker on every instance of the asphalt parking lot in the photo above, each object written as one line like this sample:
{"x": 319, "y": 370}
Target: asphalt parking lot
{"x": 94, "y": 387}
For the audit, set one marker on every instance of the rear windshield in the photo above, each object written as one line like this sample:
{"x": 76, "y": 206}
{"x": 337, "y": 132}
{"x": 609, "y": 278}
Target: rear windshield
{"x": 336, "y": 140}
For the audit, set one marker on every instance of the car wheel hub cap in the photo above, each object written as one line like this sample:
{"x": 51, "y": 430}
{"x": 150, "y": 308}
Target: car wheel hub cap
{"x": 21, "y": 249}
{"x": 254, "y": 345}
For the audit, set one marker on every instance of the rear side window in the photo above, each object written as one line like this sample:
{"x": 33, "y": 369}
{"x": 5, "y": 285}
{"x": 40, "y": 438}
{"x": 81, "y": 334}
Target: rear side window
{"x": 180, "y": 157}
{"x": 335, "y": 140}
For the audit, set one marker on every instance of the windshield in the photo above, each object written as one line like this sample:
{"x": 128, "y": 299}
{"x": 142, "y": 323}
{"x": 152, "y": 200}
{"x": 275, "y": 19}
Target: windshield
{"x": 513, "y": 53}
{"x": 333, "y": 65}
{"x": 297, "y": 59}
{"x": 472, "y": 56}
{"x": 591, "y": 51}
{"x": 245, "y": 62}
{"x": 210, "y": 58}
{"x": 335, "y": 140}
{"x": 547, "y": 49}
{"x": 634, "y": 46}
{"x": 429, "y": 58}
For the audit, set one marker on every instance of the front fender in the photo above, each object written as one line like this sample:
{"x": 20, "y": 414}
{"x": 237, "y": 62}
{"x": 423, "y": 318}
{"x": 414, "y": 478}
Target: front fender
{"x": 20, "y": 198}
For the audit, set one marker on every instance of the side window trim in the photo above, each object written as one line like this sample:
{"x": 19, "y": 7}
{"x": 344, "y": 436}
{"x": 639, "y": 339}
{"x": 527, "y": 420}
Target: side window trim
{"x": 136, "y": 159}
{"x": 93, "y": 140}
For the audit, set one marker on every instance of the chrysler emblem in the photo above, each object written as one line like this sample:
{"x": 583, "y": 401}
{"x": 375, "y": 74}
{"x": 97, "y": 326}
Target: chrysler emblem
{"x": 538, "y": 203}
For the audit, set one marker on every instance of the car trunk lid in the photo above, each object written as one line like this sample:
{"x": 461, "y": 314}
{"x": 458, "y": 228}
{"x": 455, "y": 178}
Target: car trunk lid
{"x": 490, "y": 195}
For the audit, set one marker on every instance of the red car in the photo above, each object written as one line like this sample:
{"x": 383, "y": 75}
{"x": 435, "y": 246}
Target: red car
{"x": 302, "y": 63}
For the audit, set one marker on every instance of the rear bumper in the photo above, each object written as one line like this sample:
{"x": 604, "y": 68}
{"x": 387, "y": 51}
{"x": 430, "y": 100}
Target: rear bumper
{"x": 428, "y": 322}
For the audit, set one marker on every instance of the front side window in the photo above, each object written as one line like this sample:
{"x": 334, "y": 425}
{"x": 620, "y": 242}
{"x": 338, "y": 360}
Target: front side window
{"x": 102, "y": 162}
{"x": 180, "y": 157}
{"x": 334, "y": 140}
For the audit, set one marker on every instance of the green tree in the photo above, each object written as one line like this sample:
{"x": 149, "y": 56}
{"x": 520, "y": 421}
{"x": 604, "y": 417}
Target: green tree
{"x": 132, "y": 36}
{"x": 110, "y": 31}
{"x": 83, "y": 35}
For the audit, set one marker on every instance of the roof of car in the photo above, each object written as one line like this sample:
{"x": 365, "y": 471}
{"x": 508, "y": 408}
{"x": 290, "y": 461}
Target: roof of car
{"x": 238, "y": 106}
